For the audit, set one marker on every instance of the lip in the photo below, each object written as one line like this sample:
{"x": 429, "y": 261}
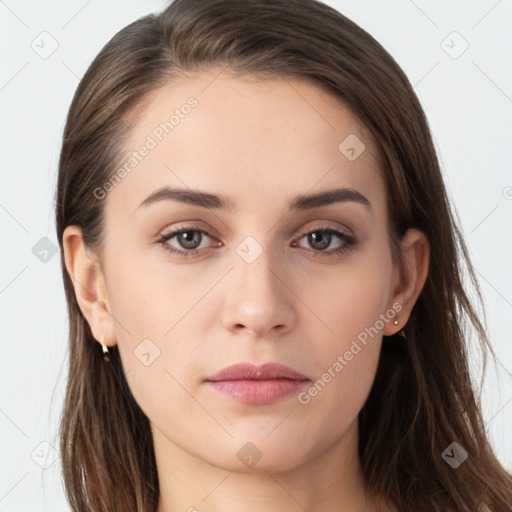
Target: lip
{"x": 257, "y": 384}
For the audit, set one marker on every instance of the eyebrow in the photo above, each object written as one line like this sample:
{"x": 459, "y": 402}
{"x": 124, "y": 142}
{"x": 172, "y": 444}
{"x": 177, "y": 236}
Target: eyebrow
{"x": 216, "y": 202}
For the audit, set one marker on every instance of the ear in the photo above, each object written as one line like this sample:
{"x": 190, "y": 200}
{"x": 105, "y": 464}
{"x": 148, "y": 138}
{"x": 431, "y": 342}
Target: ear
{"x": 408, "y": 281}
{"x": 89, "y": 285}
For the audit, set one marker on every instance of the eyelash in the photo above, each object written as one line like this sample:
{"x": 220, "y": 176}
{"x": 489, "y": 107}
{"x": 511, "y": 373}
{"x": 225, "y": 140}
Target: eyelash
{"x": 348, "y": 245}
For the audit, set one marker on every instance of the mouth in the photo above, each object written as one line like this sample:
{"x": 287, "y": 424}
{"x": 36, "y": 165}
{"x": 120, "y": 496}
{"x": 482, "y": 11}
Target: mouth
{"x": 257, "y": 384}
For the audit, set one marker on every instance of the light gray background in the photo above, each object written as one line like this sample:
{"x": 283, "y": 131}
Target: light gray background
{"x": 468, "y": 101}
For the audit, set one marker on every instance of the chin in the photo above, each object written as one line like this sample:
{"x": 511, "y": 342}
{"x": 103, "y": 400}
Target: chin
{"x": 261, "y": 456}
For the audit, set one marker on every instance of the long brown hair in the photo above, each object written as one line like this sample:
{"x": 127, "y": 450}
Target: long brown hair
{"x": 423, "y": 398}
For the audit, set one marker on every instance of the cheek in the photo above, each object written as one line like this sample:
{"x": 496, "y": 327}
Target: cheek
{"x": 352, "y": 304}
{"x": 350, "y": 297}
{"x": 156, "y": 306}
{"x": 149, "y": 295}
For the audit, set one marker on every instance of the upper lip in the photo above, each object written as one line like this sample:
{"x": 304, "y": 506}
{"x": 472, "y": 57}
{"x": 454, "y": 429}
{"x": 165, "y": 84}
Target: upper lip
{"x": 250, "y": 371}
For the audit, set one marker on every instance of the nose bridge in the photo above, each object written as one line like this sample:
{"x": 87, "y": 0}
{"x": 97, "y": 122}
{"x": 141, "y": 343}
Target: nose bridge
{"x": 255, "y": 270}
{"x": 258, "y": 299}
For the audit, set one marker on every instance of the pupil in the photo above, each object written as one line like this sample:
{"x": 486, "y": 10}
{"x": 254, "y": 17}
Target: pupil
{"x": 319, "y": 239}
{"x": 186, "y": 239}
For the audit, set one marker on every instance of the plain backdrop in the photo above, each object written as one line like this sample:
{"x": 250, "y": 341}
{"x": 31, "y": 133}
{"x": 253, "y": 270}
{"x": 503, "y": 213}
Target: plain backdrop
{"x": 456, "y": 54}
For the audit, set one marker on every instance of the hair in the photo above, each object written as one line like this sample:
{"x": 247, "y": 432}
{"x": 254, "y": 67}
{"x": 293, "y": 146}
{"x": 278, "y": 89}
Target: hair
{"x": 423, "y": 397}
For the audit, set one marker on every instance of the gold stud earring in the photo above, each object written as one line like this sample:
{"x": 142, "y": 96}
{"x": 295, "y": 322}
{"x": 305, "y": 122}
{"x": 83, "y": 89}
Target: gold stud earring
{"x": 106, "y": 353}
{"x": 401, "y": 331}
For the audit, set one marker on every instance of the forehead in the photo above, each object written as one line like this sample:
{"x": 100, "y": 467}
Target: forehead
{"x": 251, "y": 139}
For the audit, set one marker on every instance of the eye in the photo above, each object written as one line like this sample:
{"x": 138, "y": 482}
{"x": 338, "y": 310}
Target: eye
{"x": 321, "y": 238}
{"x": 190, "y": 238}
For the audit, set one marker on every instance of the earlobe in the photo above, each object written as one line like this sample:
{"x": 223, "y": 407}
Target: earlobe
{"x": 410, "y": 278}
{"x": 89, "y": 284}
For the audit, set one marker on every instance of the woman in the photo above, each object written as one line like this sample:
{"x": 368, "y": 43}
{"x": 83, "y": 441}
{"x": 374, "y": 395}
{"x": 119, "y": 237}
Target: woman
{"x": 254, "y": 226}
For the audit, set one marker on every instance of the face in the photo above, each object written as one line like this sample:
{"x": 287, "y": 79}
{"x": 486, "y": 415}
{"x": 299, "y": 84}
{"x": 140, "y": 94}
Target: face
{"x": 254, "y": 276}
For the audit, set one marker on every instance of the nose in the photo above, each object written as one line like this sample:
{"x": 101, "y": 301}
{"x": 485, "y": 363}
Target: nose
{"x": 259, "y": 301}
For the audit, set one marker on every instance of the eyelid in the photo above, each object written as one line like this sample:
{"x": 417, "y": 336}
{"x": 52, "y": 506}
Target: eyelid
{"x": 349, "y": 240}
{"x": 171, "y": 232}
{"x": 323, "y": 225}
{"x": 207, "y": 231}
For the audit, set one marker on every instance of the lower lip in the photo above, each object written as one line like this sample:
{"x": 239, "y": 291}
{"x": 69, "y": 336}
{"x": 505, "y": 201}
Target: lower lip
{"x": 258, "y": 392}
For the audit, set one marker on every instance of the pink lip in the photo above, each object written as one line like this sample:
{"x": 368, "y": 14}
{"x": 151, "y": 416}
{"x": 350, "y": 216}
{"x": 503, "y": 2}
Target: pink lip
{"x": 257, "y": 384}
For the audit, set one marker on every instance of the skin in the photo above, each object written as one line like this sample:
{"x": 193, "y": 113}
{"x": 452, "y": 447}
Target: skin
{"x": 260, "y": 143}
